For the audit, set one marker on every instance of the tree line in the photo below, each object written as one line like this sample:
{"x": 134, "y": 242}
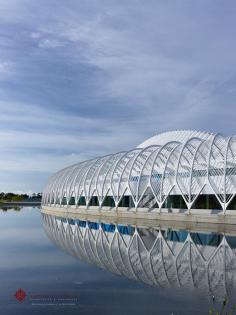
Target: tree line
{"x": 9, "y": 196}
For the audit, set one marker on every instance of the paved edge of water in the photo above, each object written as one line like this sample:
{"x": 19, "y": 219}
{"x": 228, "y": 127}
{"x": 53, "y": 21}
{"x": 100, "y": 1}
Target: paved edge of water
{"x": 196, "y": 216}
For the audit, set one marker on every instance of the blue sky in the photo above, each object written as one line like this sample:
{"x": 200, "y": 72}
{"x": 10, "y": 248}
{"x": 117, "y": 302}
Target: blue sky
{"x": 85, "y": 78}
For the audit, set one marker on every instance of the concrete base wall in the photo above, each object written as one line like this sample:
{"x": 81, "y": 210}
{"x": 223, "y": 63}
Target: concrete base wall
{"x": 179, "y": 215}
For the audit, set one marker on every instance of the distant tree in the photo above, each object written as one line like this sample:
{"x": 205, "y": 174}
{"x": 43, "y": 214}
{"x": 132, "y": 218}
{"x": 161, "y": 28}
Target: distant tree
{"x": 17, "y": 198}
{"x": 25, "y": 196}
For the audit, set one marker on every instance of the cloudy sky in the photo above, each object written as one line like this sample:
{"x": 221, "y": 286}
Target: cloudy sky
{"x": 81, "y": 78}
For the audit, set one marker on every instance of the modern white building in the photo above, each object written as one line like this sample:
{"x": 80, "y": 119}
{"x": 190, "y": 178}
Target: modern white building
{"x": 177, "y": 169}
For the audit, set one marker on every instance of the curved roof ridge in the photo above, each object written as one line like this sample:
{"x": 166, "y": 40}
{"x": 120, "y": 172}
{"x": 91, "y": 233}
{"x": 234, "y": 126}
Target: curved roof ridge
{"x": 181, "y": 135}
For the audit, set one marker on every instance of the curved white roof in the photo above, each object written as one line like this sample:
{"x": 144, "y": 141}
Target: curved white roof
{"x": 175, "y": 135}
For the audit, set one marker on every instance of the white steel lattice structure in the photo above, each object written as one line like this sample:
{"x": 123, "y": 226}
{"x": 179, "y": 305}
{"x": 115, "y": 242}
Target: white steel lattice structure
{"x": 183, "y": 163}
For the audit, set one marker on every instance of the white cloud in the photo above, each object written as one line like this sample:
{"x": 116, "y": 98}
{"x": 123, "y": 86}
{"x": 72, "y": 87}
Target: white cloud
{"x": 49, "y": 43}
{"x": 35, "y": 35}
{"x": 6, "y": 68}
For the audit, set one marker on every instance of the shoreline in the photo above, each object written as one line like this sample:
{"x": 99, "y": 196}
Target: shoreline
{"x": 20, "y": 204}
{"x": 158, "y": 222}
{"x": 176, "y": 215}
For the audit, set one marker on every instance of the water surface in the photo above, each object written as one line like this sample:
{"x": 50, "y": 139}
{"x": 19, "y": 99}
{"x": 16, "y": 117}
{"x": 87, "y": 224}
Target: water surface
{"x": 56, "y": 281}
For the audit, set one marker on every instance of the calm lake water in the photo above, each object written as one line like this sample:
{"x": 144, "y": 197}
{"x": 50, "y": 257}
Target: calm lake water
{"x": 37, "y": 259}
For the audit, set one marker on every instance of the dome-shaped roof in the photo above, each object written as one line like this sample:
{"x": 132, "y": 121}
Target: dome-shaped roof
{"x": 176, "y": 135}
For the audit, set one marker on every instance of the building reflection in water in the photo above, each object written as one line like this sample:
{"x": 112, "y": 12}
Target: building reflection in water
{"x": 163, "y": 258}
